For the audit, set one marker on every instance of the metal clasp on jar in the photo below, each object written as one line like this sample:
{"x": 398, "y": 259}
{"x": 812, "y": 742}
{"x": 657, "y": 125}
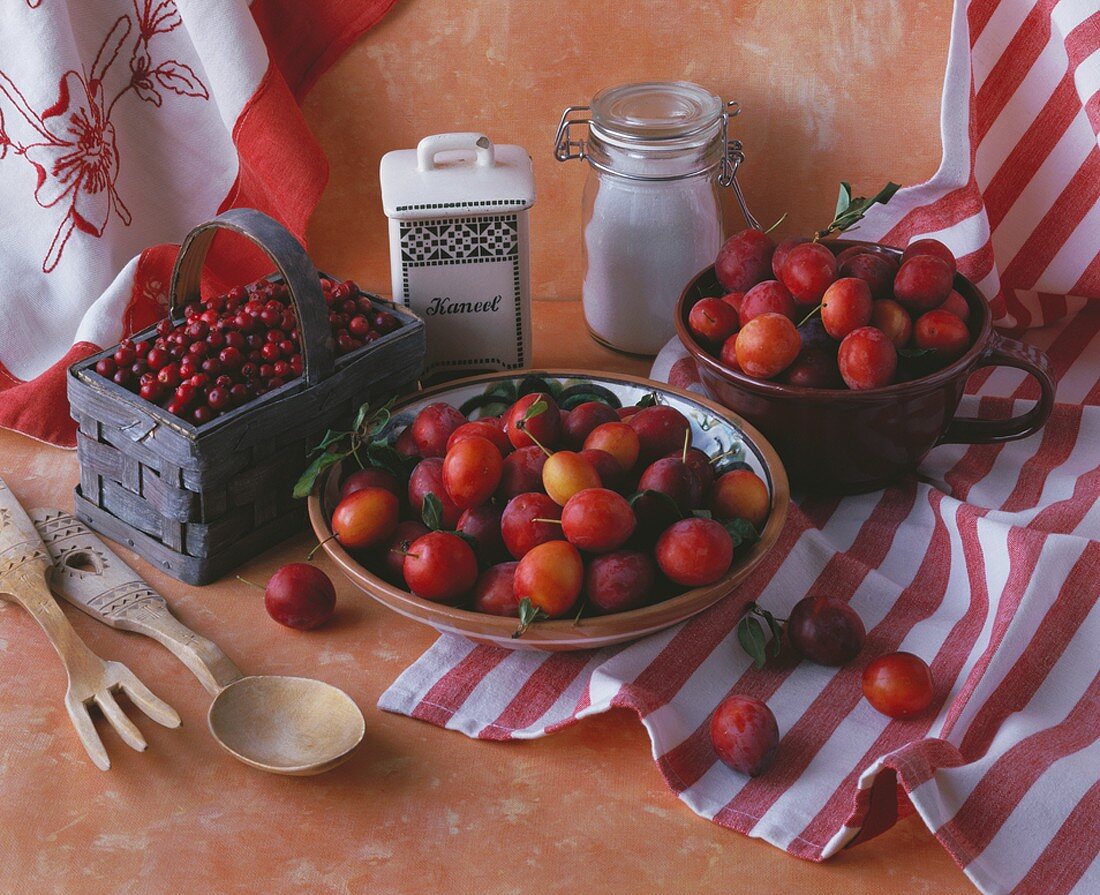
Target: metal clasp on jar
{"x": 567, "y": 146}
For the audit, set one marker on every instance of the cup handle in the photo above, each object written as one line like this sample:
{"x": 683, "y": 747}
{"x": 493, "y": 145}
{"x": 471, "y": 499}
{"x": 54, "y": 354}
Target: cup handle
{"x": 1006, "y": 352}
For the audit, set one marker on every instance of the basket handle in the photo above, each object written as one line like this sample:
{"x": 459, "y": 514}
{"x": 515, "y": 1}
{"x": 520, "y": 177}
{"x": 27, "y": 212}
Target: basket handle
{"x": 289, "y": 258}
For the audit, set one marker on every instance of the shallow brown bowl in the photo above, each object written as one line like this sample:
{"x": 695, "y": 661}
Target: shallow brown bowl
{"x": 714, "y": 429}
{"x": 853, "y": 441}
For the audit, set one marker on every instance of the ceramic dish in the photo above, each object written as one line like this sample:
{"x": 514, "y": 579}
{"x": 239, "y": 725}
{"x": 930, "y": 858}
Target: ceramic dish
{"x": 714, "y": 429}
{"x": 851, "y": 441}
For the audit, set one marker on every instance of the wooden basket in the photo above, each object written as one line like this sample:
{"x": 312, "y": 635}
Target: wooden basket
{"x": 199, "y": 500}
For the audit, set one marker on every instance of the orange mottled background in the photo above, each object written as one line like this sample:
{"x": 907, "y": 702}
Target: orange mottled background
{"x": 833, "y": 90}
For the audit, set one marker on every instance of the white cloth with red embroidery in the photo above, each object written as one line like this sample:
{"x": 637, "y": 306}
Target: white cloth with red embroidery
{"x": 123, "y": 124}
{"x": 987, "y": 564}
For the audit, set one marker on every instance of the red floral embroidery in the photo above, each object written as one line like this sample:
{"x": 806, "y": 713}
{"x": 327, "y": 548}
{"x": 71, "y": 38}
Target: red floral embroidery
{"x": 74, "y": 151}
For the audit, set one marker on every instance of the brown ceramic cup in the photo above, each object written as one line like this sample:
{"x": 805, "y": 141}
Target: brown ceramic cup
{"x": 854, "y": 441}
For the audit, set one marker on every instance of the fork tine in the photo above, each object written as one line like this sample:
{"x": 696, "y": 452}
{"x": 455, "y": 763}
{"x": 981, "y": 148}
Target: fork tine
{"x": 145, "y": 699}
{"x": 125, "y": 727}
{"x": 85, "y": 729}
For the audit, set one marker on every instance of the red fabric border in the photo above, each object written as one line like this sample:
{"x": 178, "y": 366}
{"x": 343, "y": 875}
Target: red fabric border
{"x": 282, "y": 171}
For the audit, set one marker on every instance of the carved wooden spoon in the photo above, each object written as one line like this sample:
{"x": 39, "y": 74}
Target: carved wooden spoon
{"x": 285, "y": 725}
{"x": 24, "y": 568}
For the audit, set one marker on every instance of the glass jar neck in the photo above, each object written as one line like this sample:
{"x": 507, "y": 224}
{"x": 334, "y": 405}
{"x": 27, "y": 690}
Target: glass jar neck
{"x": 685, "y": 156}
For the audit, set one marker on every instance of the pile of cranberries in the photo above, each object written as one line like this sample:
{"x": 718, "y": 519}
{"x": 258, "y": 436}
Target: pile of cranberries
{"x": 544, "y": 512}
{"x": 232, "y": 348}
{"x": 800, "y": 314}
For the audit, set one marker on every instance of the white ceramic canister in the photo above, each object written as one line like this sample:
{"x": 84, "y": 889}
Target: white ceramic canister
{"x": 459, "y": 248}
{"x": 657, "y": 153}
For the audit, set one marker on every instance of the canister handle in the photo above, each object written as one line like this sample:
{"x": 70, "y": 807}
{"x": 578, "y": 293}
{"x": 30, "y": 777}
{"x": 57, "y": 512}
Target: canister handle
{"x": 429, "y": 147}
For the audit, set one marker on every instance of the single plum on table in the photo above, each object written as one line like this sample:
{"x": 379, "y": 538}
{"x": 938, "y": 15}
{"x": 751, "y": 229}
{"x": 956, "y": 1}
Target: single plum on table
{"x": 898, "y": 685}
{"x": 619, "y": 581}
{"x": 867, "y": 359}
{"x": 744, "y": 260}
{"x": 744, "y": 734}
{"x": 300, "y": 596}
{"x": 825, "y": 630}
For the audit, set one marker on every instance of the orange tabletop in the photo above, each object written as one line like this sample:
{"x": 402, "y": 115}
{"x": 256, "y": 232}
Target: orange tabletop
{"x": 417, "y": 809}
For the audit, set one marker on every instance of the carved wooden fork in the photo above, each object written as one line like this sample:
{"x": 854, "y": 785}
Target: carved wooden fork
{"x": 24, "y": 569}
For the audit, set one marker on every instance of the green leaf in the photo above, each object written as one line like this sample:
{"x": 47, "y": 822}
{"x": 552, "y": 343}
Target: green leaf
{"x": 844, "y": 199}
{"x": 331, "y": 437}
{"x": 360, "y": 416}
{"x": 776, "y": 643}
{"x": 432, "y": 512}
{"x": 742, "y": 531}
{"x": 384, "y": 456}
{"x": 529, "y": 613}
{"x": 305, "y": 484}
{"x": 915, "y": 352}
{"x": 648, "y": 400}
{"x": 751, "y": 637}
{"x": 540, "y": 406}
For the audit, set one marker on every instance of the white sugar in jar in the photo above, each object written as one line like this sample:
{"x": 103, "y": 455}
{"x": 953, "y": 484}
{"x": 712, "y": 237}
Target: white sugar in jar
{"x": 657, "y": 153}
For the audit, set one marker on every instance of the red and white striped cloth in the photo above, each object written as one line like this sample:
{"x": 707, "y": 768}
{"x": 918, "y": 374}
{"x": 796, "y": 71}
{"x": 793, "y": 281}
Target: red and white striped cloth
{"x": 987, "y": 564}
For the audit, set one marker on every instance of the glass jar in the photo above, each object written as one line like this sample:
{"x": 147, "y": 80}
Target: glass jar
{"x": 657, "y": 153}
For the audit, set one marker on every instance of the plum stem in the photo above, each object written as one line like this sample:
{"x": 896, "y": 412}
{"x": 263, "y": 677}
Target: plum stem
{"x": 309, "y": 556}
{"x": 687, "y": 442}
{"x": 816, "y": 310}
{"x": 520, "y": 425}
{"x": 552, "y": 521}
{"x": 250, "y": 583}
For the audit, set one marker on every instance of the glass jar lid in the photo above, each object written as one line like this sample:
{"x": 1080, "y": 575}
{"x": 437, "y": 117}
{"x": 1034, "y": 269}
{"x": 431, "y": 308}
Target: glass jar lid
{"x": 655, "y": 112}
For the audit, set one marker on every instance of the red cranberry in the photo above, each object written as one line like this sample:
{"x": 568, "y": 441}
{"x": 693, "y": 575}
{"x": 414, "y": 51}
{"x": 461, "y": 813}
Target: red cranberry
{"x": 218, "y": 398}
{"x": 198, "y": 349}
{"x": 125, "y": 356}
{"x": 281, "y": 369}
{"x": 359, "y": 326}
{"x": 385, "y": 322}
{"x": 231, "y": 358}
{"x": 169, "y": 376}
{"x": 270, "y": 351}
{"x": 287, "y": 348}
{"x": 164, "y": 327}
{"x": 202, "y": 414}
{"x": 211, "y": 366}
{"x": 106, "y": 367}
{"x": 266, "y": 371}
{"x": 150, "y": 391}
{"x": 239, "y": 394}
